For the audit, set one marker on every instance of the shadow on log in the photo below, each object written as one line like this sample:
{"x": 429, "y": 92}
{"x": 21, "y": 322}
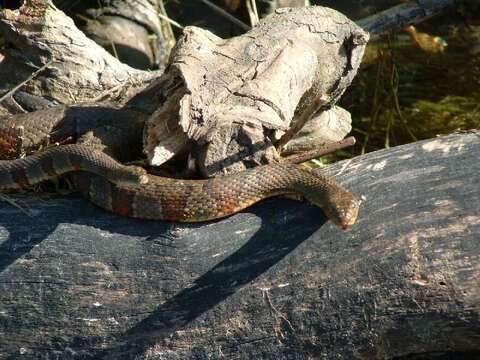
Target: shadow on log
{"x": 275, "y": 281}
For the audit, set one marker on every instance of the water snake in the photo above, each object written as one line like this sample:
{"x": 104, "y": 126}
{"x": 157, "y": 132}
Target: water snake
{"x": 129, "y": 191}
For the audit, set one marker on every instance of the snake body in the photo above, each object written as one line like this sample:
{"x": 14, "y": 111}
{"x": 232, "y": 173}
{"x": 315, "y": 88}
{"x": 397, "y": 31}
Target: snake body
{"x": 202, "y": 200}
{"x": 129, "y": 191}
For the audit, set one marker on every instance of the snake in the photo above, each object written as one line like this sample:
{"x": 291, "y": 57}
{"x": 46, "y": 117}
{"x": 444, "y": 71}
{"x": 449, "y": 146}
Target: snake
{"x": 130, "y": 191}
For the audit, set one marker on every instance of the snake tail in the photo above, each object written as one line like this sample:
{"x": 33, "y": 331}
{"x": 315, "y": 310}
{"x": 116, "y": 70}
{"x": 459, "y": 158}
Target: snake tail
{"x": 22, "y": 173}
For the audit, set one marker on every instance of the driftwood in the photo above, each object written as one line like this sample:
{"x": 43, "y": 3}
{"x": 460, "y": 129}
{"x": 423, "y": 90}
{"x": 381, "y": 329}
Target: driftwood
{"x": 125, "y": 29}
{"x": 222, "y": 101}
{"x": 275, "y": 281}
{"x": 282, "y": 71}
{"x": 230, "y": 96}
{"x": 73, "y": 67}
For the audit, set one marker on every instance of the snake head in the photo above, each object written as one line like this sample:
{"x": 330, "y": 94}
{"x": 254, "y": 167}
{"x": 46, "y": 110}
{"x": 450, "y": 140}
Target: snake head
{"x": 345, "y": 213}
{"x": 340, "y": 206}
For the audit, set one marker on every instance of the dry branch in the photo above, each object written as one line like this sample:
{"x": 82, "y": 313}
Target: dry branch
{"x": 322, "y": 150}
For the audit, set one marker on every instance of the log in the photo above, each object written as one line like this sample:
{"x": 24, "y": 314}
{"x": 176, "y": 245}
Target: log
{"x": 275, "y": 281}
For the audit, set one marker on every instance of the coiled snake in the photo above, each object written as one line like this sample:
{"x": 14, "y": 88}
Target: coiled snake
{"x": 129, "y": 191}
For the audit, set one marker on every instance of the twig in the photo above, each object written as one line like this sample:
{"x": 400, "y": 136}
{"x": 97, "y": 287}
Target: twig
{"x": 13, "y": 203}
{"x": 14, "y": 89}
{"x": 306, "y": 115}
{"x": 252, "y": 12}
{"x": 110, "y": 91}
{"x": 225, "y": 14}
{"x": 255, "y": 11}
{"x": 274, "y": 310}
{"x": 170, "y": 21}
{"x": 325, "y": 149}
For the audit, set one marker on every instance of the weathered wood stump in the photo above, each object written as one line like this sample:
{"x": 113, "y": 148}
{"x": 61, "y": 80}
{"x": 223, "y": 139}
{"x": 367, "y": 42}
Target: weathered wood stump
{"x": 275, "y": 281}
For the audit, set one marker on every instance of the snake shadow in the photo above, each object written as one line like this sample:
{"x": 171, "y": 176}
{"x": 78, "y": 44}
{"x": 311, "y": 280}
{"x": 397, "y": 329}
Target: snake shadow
{"x": 272, "y": 242}
{"x": 24, "y": 231}
{"x": 284, "y": 225}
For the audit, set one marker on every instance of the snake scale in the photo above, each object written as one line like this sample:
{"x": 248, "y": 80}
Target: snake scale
{"x": 130, "y": 191}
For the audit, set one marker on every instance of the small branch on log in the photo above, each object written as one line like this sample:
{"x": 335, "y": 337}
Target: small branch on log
{"x": 323, "y": 150}
{"x": 307, "y": 114}
{"x": 225, "y": 14}
{"x": 32, "y": 76}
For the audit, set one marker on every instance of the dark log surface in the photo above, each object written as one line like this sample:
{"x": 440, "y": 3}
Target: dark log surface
{"x": 275, "y": 281}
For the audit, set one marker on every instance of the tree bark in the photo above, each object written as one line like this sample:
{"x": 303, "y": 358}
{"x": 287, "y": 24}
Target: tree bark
{"x": 275, "y": 281}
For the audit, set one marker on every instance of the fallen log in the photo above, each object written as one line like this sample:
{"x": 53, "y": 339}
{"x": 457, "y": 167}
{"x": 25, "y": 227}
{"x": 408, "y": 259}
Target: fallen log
{"x": 275, "y": 281}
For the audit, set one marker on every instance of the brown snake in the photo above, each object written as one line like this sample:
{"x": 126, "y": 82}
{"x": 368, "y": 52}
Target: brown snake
{"x": 129, "y": 191}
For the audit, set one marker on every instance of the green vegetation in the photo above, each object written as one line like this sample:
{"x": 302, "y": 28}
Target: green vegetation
{"x": 403, "y": 94}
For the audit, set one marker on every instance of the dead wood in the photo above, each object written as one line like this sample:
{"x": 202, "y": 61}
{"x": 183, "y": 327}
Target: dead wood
{"x": 327, "y": 127}
{"x": 129, "y": 30}
{"x": 237, "y": 94}
{"x": 76, "y": 68}
{"x": 275, "y": 281}
{"x": 225, "y": 102}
